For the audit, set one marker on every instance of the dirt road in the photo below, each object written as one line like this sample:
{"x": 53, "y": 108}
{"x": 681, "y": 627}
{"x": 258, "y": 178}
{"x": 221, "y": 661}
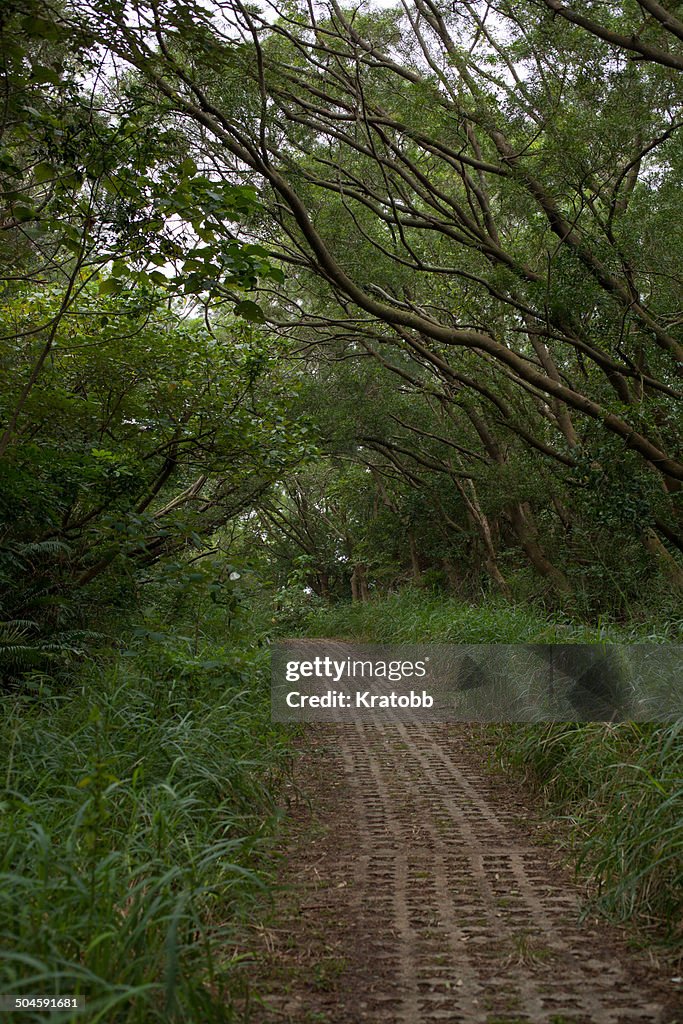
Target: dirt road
{"x": 416, "y": 890}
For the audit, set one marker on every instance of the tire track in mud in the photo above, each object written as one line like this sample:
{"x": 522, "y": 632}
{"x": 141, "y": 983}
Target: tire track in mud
{"x": 433, "y": 902}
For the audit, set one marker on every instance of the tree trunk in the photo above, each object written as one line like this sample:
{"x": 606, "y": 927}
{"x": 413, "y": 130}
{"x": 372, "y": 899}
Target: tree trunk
{"x": 527, "y": 535}
{"x": 363, "y": 580}
{"x": 666, "y": 560}
{"x": 414, "y": 559}
{"x": 359, "y": 583}
{"x": 521, "y": 516}
{"x": 480, "y": 521}
{"x": 451, "y": 572}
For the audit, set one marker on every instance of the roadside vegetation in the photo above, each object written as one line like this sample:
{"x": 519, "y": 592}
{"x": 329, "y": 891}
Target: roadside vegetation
{"x": 137, "y": 812}
{"x": 619, "y": 789}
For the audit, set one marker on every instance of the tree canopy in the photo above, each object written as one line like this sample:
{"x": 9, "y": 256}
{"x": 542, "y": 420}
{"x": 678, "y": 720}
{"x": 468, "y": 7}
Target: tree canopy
{"x": 395, "y": 288}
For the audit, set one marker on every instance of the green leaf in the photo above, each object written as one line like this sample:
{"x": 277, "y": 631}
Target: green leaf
{"x": 22, "y": 212}
{"x": 110, "y": 287}
{"x": 40, "y": 28}
{"x": 249, "y": 310}
{"x": 44, "y": 172}
{"x": 188, "y": 168}
{"x": 44, "y": 75}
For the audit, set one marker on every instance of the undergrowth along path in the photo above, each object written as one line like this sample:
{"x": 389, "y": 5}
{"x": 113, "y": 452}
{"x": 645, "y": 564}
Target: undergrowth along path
{"x": 416, "y": 891}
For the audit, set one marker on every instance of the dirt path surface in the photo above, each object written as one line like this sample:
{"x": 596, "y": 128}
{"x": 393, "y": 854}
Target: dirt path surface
{"x": 414, "y": 891}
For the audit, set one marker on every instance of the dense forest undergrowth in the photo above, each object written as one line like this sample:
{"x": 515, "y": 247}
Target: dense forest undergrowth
{"x": 361, "y": 323}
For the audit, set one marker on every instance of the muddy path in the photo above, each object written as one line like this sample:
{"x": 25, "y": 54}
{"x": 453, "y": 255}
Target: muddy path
{"x": 417, "y": 888}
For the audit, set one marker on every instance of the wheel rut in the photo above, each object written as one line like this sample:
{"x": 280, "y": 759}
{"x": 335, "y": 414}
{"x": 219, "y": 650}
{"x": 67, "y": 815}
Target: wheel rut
{"x": 414, "y": 890}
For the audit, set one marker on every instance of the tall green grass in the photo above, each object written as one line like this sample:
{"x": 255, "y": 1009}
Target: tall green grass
{"x": 618, "y": 786}
{"x": 414, "y": 616}
{"x": 135, "y": 810}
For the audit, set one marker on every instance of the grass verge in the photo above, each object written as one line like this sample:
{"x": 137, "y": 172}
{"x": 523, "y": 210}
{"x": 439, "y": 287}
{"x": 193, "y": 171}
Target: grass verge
{"x": 620, "y": 788}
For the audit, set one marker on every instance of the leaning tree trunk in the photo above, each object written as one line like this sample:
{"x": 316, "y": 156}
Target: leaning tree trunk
{"x": 479, "y": 520}
{"x": 527, "y": 534}
{"x": 520, "y": 514}
{"x": 665, "y": 559}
